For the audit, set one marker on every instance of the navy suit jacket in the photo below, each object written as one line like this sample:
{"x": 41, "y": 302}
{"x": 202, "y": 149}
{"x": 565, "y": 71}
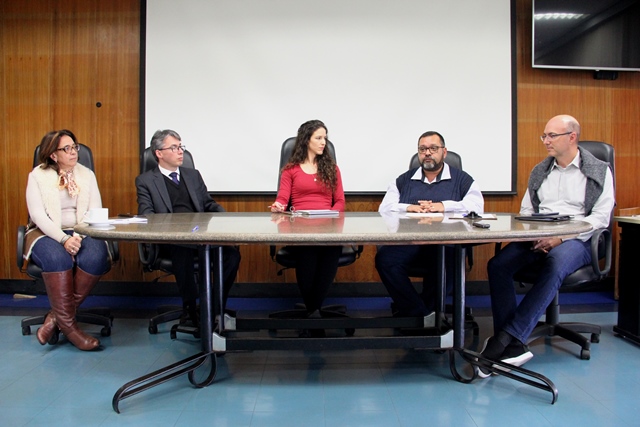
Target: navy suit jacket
{"x": 153, "y": 196}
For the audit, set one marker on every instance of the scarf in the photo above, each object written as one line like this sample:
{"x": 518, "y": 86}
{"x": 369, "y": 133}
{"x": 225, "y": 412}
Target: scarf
{"x": 67, "y": 180}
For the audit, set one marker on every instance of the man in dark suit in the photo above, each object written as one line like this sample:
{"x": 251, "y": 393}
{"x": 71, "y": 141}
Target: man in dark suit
{"x": 171, "y": 189}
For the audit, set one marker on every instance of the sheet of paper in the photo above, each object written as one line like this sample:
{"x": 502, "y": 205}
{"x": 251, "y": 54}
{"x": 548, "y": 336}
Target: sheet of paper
{"x": 314, "y": 212}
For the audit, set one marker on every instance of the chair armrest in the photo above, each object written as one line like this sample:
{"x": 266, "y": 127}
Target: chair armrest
{"x": 601, "y": 235}
{"x": 148, "y": 253}
{"x": 497, "y": 248}
{"x": 358, "y": 250}
{"x": 114, "y": 248}
{"x": 20, "y": 246}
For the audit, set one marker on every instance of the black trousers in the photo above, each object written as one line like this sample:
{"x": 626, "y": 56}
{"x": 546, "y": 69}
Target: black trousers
{"x": 316, "y": 267}
{"x": 183, "y": 259}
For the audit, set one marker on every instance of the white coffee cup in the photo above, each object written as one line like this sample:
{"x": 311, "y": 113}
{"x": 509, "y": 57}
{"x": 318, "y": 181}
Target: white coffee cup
{"x": 97, "y": 215}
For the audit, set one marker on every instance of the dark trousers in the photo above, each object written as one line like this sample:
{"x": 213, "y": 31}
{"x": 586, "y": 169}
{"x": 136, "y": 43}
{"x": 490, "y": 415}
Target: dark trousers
{"x": 394, "y": 264}
{"x": 183, "y": 261}
{"x": 316, "y": 267}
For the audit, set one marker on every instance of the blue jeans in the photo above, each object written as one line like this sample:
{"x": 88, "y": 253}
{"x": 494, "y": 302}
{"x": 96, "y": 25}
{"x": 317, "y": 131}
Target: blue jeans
{"x": 519, "y": 320}
{"x": 51, "y": 256}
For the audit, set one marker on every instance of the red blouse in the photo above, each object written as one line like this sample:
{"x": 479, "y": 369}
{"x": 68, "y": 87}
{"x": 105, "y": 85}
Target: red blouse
{"x": 305, "y": 192}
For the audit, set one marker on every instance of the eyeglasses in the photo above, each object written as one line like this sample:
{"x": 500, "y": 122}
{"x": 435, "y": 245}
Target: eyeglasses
{"x": 173, "y": 148}
{"x": 552, "y": 136}
{"x": 67, "y": 148}
{"x": 433, "y": 149}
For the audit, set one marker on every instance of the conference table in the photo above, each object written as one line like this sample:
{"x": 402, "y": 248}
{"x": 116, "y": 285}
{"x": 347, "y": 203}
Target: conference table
{"x": 210, "y": 231}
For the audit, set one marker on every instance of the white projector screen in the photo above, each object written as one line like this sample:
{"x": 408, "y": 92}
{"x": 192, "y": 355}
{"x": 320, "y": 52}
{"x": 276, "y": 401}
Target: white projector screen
{"x": 235, "y": 78}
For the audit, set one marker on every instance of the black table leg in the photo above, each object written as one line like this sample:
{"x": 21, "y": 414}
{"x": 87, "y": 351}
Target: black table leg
{"x": 190, "y": 364}
{"x": 476, "y": 359}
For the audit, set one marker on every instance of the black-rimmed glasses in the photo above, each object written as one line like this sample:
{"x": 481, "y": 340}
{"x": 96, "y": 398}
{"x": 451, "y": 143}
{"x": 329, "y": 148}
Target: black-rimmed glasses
{"x": 433, "y": 149}
{"x": 552, "y": 136}
{"x": 67, "y": 148}
{"x": 173, "y": 148}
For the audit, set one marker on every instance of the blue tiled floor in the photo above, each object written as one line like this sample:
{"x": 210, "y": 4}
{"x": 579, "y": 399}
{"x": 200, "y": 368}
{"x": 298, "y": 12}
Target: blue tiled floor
{"x": 59, "y": 385}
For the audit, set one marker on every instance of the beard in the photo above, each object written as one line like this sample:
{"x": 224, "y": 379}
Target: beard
{"x": 431, "y": 165}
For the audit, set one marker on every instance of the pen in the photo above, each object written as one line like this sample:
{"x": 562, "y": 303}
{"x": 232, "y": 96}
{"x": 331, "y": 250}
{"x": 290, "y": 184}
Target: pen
{"x": 194, "y": 229}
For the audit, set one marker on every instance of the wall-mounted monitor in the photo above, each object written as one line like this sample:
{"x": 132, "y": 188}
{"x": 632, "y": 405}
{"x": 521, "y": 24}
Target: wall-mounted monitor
{"x": 586, "y": 34}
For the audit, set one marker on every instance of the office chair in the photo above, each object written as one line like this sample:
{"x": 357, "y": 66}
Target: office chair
{"x": 286, "y": 258}
{"x": 94, "y": 316}
{"x": 155, "y": 257}
{"x": 453, "y": 159}
{"x": 585, "y": 275}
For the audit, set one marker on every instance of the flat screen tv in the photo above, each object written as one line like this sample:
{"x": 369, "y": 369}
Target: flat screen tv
{"x": 587, "y": 34}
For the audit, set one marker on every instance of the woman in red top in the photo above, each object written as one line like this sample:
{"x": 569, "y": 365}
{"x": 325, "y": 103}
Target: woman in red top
{"x": 311, "y": 180}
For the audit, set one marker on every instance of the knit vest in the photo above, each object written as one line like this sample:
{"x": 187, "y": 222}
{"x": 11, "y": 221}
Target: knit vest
{"x": 180, "y": 200}
{"x": 411, "y": 190}
{"x": 595, "y": 170}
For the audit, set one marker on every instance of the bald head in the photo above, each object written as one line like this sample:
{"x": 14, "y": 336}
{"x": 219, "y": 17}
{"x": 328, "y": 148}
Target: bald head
{"x": 569, "y": 123}
{"x": 561, "y": 136}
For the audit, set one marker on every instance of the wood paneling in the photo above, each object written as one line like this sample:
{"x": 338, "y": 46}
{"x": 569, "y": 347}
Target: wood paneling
{"x": 61, "y": 58}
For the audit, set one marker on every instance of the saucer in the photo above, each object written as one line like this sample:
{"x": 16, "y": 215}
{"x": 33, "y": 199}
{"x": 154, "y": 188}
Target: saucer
{"x": 99, "y": 223}
{"x": 103, "y": 226}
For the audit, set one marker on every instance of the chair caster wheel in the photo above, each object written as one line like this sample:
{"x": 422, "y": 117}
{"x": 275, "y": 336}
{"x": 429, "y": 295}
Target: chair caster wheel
{"x": 595, "y": 338}
{"x": 105, "y": 332}
{"x": 585, "y": 354}
{"x": 26, "y": 330}
{"x": 153, "y": 329}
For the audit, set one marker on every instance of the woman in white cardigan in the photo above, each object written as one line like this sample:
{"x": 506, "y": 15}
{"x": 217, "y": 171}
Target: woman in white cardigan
{"x": 59, "y": 192}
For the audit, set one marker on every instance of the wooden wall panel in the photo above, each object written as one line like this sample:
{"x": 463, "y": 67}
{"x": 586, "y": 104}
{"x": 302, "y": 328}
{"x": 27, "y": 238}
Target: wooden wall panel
{"x": 60, "y": 58}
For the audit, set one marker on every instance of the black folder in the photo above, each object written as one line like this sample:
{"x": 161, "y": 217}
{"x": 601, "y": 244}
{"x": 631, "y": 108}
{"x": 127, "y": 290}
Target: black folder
{"x": 545, "y": 218}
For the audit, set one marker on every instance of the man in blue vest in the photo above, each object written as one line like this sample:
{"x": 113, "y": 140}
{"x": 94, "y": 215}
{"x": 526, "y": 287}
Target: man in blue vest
{"x": 570, "y": 181}
{"x": 434, "y": 186}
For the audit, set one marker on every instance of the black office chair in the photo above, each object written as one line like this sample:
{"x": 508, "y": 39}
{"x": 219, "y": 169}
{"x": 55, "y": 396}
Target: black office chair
{"x": 94, "y": 316}
{"x": 155, "y": 257}
{"x": 585, "y": 275}
{"x": 453, "y": 159}
{"x": 286, "y": 258}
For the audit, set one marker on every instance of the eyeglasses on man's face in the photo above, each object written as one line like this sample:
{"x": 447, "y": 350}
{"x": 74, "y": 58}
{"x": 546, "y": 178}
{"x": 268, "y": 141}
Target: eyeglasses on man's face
{"x": 552, "y": 136}
{"x": 174, "y": 148}
{"x": 67, "y": 148}
{"x": 432, "y": 149}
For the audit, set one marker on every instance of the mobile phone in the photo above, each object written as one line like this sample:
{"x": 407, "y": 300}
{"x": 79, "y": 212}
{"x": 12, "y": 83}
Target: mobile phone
{"x": 125, "y": 215}
{"x": 481, "y": 225}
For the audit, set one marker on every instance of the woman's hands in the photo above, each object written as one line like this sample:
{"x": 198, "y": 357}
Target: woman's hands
{"x": 72, "y": 245}
{"x": 277, "y": 207}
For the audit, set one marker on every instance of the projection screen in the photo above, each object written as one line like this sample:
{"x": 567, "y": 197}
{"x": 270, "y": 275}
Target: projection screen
{"x": 235, "y": 78}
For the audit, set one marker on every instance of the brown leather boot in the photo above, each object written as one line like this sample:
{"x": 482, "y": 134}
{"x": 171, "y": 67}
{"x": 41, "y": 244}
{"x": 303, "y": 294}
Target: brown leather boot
{"x": 83, "y": 283}
{"x": 48, "y": 328}
{"x": 59, "y": 287}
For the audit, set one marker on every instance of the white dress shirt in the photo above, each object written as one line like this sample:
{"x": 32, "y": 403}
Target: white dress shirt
{"x": 166, "y": 172}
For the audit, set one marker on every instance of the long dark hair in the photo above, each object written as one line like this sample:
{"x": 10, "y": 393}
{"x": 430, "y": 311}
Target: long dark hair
{"x": 326, "y": 163}
{"x": 49, "y": 145}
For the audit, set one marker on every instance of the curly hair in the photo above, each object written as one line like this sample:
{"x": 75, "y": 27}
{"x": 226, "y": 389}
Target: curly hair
{"x": 325, "y": 162}
{"x": 49, "y": 145}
